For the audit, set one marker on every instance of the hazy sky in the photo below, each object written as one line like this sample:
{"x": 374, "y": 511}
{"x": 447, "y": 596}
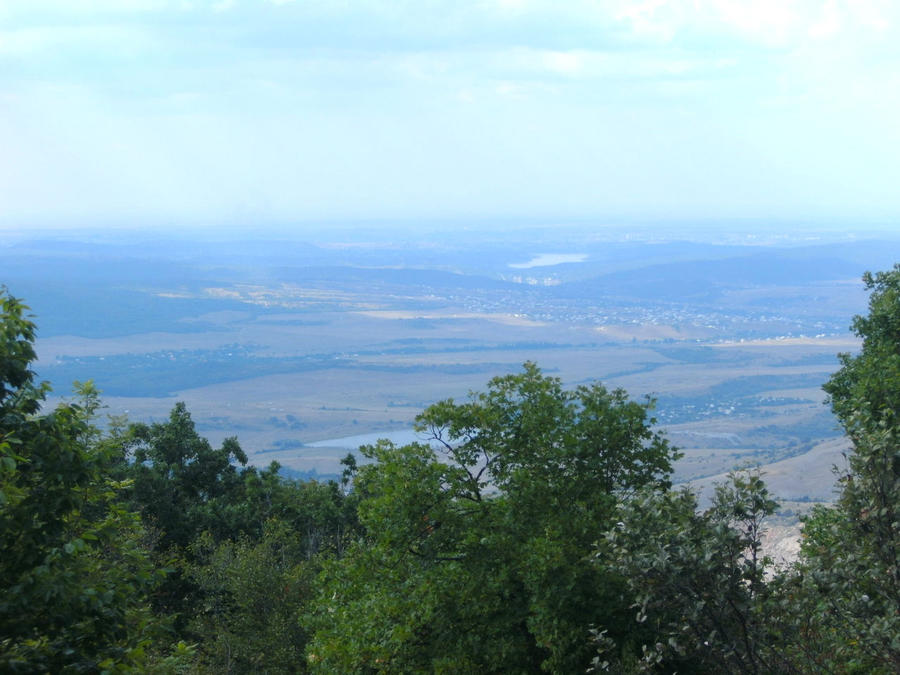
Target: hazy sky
{"x": 246, "y": 111}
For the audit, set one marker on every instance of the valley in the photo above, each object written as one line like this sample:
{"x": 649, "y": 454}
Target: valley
{"x": 292, "y": 353}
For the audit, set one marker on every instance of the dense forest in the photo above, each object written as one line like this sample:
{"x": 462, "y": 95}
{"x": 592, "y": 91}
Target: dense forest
{"x": 536, "y": 530}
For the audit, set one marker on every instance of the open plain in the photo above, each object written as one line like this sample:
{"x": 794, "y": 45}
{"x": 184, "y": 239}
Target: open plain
{"x": 301, "y": 349}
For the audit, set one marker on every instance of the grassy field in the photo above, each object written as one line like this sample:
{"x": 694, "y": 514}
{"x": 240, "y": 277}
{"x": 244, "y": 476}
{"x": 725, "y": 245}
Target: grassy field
{"x": 280, "y": 382}
{"x": 287, "y": 344}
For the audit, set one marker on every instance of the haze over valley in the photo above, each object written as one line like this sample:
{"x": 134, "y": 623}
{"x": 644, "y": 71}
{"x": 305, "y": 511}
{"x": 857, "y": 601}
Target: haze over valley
{"x": 306, "y": 347}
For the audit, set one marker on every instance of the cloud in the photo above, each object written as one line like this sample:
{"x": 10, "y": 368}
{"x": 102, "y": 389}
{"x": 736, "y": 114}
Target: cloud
{"x": 172, "y": 106}
{"x": 565, "y": 63}
{"x": 765, "y": 23}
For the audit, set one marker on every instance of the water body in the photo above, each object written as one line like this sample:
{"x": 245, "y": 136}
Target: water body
{"x": 550, "y": 259}
{"x": 398, "y": 436}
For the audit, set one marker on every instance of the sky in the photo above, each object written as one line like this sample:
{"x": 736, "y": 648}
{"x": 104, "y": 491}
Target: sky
{"x": 124, "y": 112}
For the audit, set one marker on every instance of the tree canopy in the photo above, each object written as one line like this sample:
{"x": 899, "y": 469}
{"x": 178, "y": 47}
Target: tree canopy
{"x": 477, "y": 540}
{"x": 852, "y": 554}
{"x": 73, "y": 576}
{"x": 533, "y": 528}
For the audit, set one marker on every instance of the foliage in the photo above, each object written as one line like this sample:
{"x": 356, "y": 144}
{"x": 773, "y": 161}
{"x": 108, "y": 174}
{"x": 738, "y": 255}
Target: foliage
{"x": 476, "y": 551}
{"x": 73, "y": 579}
{"x": 206, "y": 512}
{"x": 849, "y": 566}
{"x": 182, "y": 484}
{"x": 250, "y": 586}
{"x": 865, "y": 392}
{"x": 698, "y": 580}
{"x": 252, "y": 592}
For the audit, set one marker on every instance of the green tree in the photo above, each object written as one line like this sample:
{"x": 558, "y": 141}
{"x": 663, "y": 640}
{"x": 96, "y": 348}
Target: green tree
{"x": 476, "y": 547}
{"x": 849, "y": 563}
{"x": 206, "y": 511}
{"x": 182, "y": 485}
{"x": 252, "y": 592}
{"x": 73, "y": 577}
{"x": 865, "y": 392}
{"x": 698, "y": 581}
{"x": 250, "y": 586}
